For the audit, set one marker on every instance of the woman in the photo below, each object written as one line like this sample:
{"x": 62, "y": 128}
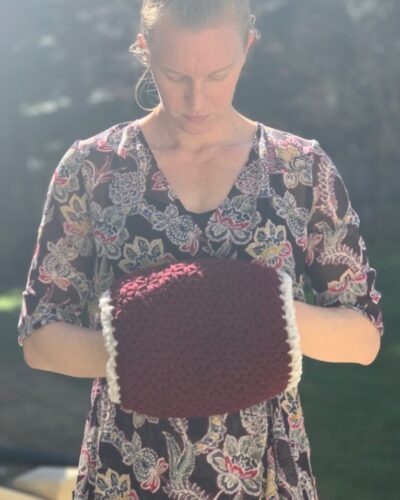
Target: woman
{"x": 194, "y": 177}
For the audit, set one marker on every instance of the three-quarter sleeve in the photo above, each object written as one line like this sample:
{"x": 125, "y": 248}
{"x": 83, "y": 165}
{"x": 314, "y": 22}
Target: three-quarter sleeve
{"x": 61, "y": 269}
{"x": 337, "y": 264}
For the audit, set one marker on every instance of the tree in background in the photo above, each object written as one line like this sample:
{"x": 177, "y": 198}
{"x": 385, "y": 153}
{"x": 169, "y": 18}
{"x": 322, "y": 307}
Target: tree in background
{"x": 324, "y": 69}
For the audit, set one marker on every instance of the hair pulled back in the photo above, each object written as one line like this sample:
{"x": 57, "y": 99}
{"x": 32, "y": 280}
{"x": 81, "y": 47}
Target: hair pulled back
{"x": 191, "y": 14}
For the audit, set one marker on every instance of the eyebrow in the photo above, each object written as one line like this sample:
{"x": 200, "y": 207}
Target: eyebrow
{"x": 213, "y": 73}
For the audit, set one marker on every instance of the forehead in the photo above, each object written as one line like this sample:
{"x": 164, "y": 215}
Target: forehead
{"x": 189, "y": 51}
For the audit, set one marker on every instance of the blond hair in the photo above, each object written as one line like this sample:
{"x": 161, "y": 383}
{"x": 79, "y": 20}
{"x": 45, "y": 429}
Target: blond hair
{"x": 191, "y": 14}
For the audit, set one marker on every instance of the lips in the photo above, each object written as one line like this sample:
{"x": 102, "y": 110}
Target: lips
{"x": 196, "y": 119}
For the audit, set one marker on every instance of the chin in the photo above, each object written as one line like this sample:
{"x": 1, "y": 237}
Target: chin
{"x": 197, "y": 128}
{"x": 194, "y": 128}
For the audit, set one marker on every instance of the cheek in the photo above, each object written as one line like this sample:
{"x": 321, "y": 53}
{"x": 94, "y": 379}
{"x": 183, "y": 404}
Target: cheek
{"x": 224, "y": 92}
{"x": 171, "y": 95}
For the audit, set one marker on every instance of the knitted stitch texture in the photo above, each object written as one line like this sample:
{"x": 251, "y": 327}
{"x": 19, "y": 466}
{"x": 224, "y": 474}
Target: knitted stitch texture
{"x": 200, "y": 337}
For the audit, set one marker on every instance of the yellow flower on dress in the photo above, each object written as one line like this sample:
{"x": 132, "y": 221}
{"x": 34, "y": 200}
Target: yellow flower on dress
{"x": 270, "y": 245}
{"x": 288, "y": 152}
{"x": 291, "y": 405}
{"x": 114, "y": 486}
{"x": 141, "y": 253}
{"x": 76, "y": 216}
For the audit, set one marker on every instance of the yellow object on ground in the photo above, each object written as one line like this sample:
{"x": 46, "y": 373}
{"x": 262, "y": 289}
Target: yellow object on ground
{"x": 49, "y": 483}
{"x": 7, "y": 494}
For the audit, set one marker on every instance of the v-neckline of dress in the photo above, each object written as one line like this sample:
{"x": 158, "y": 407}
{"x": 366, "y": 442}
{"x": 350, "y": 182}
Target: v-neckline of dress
{"x": 154, "y": 169}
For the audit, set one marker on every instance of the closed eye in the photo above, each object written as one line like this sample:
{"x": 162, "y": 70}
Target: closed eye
{"x": 175, "y": 78}
{"x": 219, "y": 76}
{"x": 179, "y": 77}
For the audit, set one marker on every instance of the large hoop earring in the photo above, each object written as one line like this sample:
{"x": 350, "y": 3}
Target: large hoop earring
{"x": 147, "y": 85}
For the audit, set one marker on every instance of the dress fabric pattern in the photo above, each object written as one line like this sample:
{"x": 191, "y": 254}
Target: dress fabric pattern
{"x": 110, "y": 210}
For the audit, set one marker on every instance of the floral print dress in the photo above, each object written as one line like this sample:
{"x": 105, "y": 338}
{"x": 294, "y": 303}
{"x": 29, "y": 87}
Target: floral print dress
{"x": 109, "y": 210}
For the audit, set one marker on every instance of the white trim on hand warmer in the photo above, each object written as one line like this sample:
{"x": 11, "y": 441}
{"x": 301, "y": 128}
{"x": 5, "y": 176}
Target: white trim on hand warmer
{"x": 106, "y": 309}
{"x": 286, "y": 294}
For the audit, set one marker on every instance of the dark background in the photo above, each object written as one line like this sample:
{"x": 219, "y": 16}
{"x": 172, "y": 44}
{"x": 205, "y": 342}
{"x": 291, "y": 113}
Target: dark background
{"x": 323, "y": 69}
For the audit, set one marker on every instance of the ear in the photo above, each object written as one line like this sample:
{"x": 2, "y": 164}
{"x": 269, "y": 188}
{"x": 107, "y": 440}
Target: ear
{"x": 251, "y": 38}
{"x": 141, "y": 44}
{"x": 141, "y": 40}
{"x": 250, "y": 41}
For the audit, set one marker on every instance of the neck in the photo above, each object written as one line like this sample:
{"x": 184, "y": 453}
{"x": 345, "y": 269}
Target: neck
{"x": 171, "y": 136}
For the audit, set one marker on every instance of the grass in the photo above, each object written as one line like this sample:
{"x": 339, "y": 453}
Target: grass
{"x": 10, "y": 301}
{"x": 352, "y": 412}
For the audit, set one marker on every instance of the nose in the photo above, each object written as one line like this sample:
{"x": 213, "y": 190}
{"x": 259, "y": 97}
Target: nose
{"x": 196, "y": 97}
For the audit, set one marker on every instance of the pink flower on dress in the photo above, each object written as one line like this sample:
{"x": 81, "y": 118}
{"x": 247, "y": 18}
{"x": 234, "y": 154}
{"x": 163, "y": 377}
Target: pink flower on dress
{"x": 53, "y": 270}
{"x": 153, "y": 482}
{"x": 375, "y": 295}
{"x": 103, "y": 145}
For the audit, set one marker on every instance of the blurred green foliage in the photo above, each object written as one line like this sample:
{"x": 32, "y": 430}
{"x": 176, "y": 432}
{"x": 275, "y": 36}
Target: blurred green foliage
{"x": 10, "y": 301}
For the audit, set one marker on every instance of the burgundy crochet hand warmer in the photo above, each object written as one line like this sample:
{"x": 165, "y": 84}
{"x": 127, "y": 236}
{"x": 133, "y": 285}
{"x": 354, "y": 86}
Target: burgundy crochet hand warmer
{"x": 200, "y": 337}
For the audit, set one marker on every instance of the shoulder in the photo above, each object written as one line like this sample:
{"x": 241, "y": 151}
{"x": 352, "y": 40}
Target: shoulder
{"x": 299, "y": 159}
{"x": 78, "y": 166}
{"x": 116, "y": 139}
{"x": 285, "y": 140}
{"x": 295, "y": 150}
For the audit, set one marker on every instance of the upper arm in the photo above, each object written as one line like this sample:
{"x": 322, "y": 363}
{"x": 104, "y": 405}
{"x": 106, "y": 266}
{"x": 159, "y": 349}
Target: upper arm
{"x": 337, "y": 264}
{"x": 61, "y": 269}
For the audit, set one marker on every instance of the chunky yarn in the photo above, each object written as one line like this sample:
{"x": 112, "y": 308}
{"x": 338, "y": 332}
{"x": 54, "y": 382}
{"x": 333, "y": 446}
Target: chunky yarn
{"x": 200, "y": 337}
